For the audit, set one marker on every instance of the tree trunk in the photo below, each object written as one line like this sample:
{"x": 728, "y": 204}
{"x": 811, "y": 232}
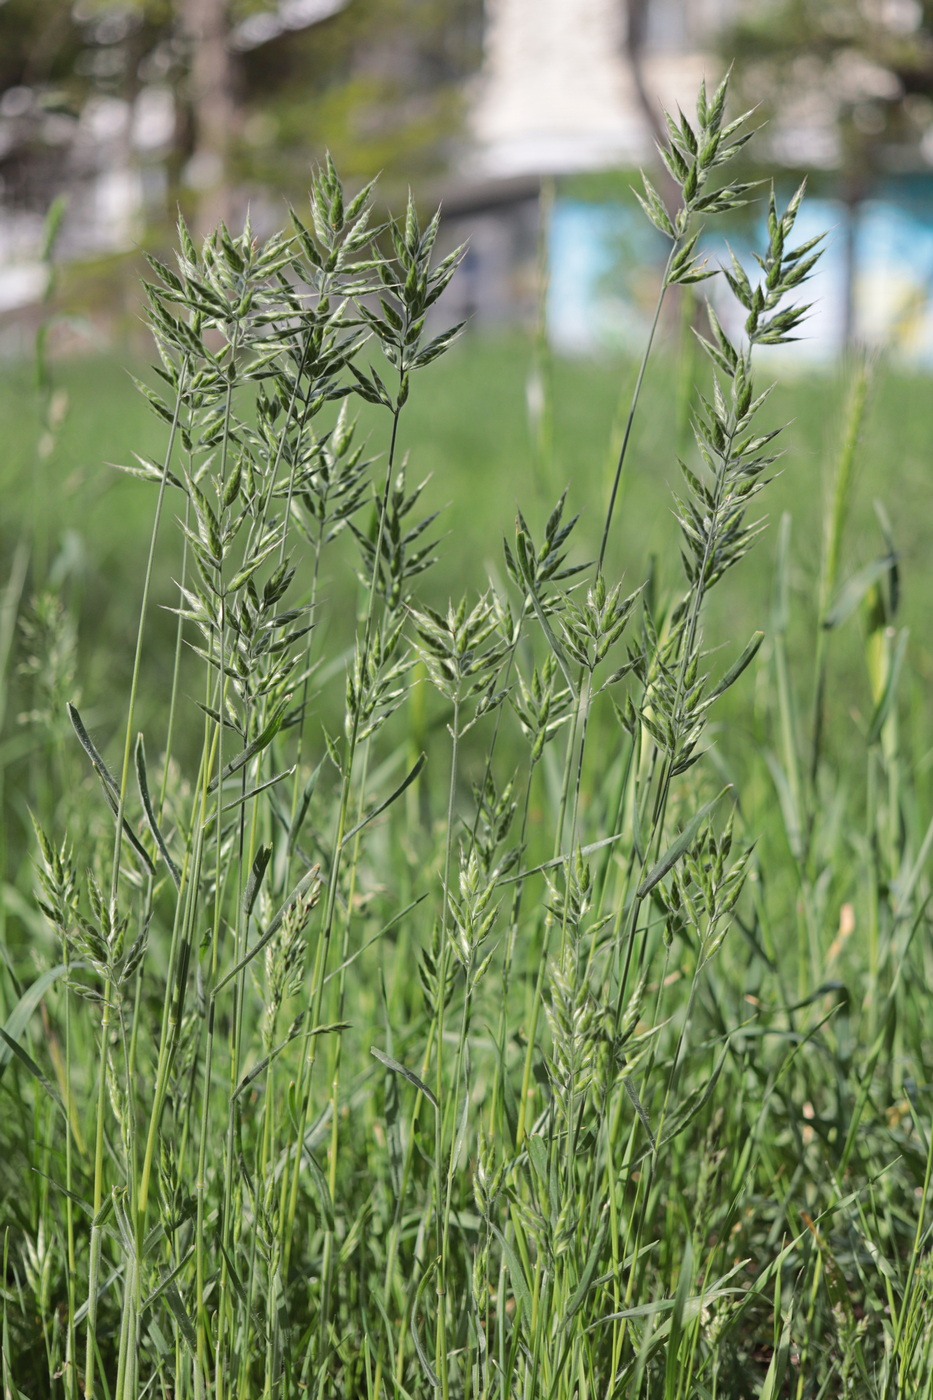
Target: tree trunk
{"x": 636, "y": 25}
{"x": 212, "y": 87}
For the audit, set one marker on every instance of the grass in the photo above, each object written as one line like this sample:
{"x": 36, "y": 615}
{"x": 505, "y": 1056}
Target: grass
{"x": 417, "y": 1007}
{"x": 468, "y": 432}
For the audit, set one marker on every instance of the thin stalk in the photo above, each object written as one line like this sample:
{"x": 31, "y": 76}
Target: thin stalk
{"x": 132, "y": 1297}
{"x": 179, "y": 951}
{"x": 572, "y": 774}
{"x": 71, "y": 1356}
{"x": 219, "y": 884}
{"x": 441, "y": 1215}
{"x": 236, "y": 1033}
{"x": 323, "y": 947}
{"x": 651, "y": 846}
{"x": 636, "y": 394}
{"x": 94, "y": 1268}
{"x": 511, "y": 935}
{"x": 245, "y": 859}
{"x": 327, "y": 1261}
{"x": 200, "y": 1360}
{"x": 312, "y": 608}
{"x": 127, "y": 1336}
{"x": 548, "y": 922}
{"x": 97, "y": 1199}
{"x": 182, "y": 923}
{"x": 395, "y": 1228}
{"x": 143, "y": 610}
{"x": 176, "y": 669}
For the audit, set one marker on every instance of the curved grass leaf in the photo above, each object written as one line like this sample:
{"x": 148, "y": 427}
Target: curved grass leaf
{"x": 108, "y": 783}
{"x": 433, "y": 1379}
{"x": 28, "y": 1003}
{"x": 142, "y": 780}
{"x": 262, "y": 741}
{"x": 381, "y": 807}
{"x": 408, "y": 1074}
{"x": 673, "y": 854}
{"x": 854, "y": 590}
{"x": 29, "y": 1064}
{"x": 304, "y": 884}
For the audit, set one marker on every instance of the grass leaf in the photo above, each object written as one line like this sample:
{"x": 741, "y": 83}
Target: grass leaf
{"x": 408, "y": 1074}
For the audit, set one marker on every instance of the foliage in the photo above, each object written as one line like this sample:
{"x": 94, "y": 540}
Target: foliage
{"x": 381, "y": 81}
{"x": 846, "y": 85}
{"x": 380, "y": 85}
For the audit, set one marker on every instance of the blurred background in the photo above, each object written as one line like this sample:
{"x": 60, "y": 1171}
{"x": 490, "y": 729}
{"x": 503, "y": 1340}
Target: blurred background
{"x": 528, "y": 118}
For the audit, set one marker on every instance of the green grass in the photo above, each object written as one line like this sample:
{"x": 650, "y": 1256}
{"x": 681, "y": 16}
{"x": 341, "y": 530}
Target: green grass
{"x": 469, "y": 433}
{"x": 481, "y": 1044}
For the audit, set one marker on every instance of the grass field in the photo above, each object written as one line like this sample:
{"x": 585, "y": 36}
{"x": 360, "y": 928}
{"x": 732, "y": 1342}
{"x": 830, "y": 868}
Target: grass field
{"x": 434, "y": 1023}
{"x": 470, "y": 433}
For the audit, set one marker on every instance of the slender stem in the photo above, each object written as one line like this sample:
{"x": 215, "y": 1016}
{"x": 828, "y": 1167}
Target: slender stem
{"x": 114, "y": 884}
{"x": 328, "y": 1259}
{"x": 442, "y": 1191}
{"x": 176, "y": 671}
{"x": 219, "y": 885}
{"x": 143, "y": 609}
{"x": 323, "y": 947}
{"x": 96, "y": 1228}
{"x": 652, "y": 845}
{"x": 71, "y": 1361}
{"x": 636, "y": 394}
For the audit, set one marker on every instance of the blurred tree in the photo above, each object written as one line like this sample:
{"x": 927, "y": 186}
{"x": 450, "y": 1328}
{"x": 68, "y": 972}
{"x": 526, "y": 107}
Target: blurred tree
{"x": 66, "y": 52}
{"x": 380, "y": 84}
{"x": 214, "y": 104}
{"x": 34, "y": 42}
{"x": 261, "y": 87}
{"x": 57, "y": 58}
{"x": 844, "y": 85}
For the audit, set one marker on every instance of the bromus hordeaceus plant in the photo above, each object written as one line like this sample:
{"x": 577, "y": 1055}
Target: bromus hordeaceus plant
{"x": 255, "y": 342}
{"x": 369, "y": 1091}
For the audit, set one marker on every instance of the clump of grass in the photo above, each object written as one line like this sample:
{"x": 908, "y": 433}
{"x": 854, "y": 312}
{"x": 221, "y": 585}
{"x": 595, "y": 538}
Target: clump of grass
{"x": 350, "y": 1088}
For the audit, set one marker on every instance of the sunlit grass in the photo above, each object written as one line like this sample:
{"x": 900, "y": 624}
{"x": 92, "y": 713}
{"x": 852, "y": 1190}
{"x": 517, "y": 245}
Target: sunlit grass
{"x": 430, "y": 1020}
